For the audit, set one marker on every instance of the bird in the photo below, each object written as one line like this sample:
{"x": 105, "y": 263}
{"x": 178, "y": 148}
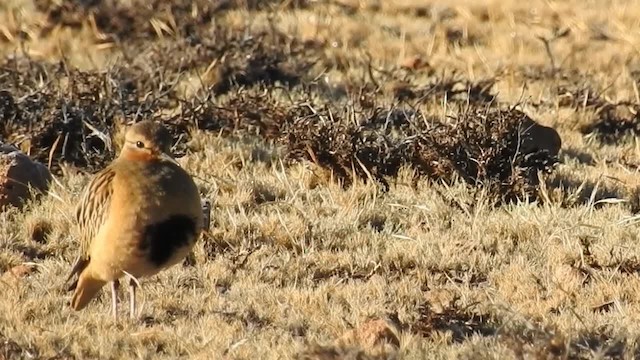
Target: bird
{"x": 136, "y": 217}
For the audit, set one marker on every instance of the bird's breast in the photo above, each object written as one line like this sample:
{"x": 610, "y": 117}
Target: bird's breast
{"x": 156, "y": 217}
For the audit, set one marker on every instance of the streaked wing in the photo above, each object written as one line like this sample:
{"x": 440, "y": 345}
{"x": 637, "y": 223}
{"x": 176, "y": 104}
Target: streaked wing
{"x": 91, "y": 214}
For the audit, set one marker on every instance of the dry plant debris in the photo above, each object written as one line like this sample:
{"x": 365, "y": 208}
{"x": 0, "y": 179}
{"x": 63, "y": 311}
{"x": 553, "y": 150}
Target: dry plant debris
{"x": 483, "y": 146}
{"x": 59, "y": 114}
{"x": 614, "y": 122}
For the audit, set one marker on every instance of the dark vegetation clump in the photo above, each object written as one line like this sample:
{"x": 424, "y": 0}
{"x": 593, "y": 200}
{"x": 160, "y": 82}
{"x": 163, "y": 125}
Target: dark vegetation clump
{"x": 258, "y": 59}
{"x": 117, "y": 20}
{"x": 242, "y": 112}
{"x": 615, "y": 122}
{"x": 60, "y": 114}
{"x": 483, "y": 146}
{"x": 10, "y": 349}
{"x": 67, "y": 115}
{"x": 248, "y": 77}
{"x": 579, "y": 95}
{"x": 226, "y": 59}
{"x": 461, "y": 322}
{"x": 574, "y": 88}
{"x": 451, "y": 89}
{"x": 327, "y": 137}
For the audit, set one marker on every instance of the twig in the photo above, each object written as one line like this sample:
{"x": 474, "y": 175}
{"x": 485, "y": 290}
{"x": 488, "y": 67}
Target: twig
{"x": 547, "y": 45}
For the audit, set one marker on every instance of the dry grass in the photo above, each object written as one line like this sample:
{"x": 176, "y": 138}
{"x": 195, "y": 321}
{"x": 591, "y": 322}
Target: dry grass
{"x": 276, "y": 108}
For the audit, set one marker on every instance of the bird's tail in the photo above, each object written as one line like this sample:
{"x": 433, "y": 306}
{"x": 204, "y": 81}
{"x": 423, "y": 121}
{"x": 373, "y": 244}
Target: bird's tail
{"x": 87, "y": 287}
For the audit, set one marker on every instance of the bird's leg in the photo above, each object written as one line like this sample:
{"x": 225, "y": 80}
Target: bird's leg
{"x": 133, "y": 284}
{"x": 115, "y": 284}
{"x": 132, "y": 298}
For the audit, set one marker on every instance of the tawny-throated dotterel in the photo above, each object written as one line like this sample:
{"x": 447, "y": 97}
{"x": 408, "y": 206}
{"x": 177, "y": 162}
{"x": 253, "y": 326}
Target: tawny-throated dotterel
{"x": 138, "y": 216}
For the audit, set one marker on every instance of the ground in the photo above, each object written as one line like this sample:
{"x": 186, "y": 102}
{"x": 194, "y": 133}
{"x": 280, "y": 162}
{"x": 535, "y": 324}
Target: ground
{"x": 362, "y": 162}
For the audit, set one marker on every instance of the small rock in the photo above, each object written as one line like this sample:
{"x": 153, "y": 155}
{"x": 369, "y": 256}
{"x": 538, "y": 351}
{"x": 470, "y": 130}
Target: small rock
{"x": 21, "y": 270}
{"x": 16, "y": 273}
{"x": 17, "y": 173}
{"x": 538, "y": 137}
{"x": 372, "y": 333}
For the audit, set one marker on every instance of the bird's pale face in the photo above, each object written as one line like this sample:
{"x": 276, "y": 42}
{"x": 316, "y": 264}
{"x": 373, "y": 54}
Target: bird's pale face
{"x": 147, "y": 141}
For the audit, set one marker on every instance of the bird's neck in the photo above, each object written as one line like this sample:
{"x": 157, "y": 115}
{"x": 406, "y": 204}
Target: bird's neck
{"x": 138, "y": 156}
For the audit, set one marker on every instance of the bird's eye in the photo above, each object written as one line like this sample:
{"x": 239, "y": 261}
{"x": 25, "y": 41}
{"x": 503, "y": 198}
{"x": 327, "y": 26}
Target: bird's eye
{"x": 140, "y": 144}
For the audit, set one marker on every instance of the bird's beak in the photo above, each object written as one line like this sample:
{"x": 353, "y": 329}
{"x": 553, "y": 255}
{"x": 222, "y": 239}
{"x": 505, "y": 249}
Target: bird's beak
{"x": 167, "y": 157}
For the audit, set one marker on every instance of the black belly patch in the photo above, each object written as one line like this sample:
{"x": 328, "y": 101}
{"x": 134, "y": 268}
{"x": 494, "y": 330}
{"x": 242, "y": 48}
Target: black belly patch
{"x": 162, "y": 239}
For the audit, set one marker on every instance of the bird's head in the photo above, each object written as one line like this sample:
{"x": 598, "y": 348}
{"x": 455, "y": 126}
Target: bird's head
{"x": 147, "y": 140}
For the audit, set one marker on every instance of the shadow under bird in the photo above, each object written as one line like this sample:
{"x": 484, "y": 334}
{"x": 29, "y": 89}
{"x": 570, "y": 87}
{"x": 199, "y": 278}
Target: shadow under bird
{"x": 138, "y": 216}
